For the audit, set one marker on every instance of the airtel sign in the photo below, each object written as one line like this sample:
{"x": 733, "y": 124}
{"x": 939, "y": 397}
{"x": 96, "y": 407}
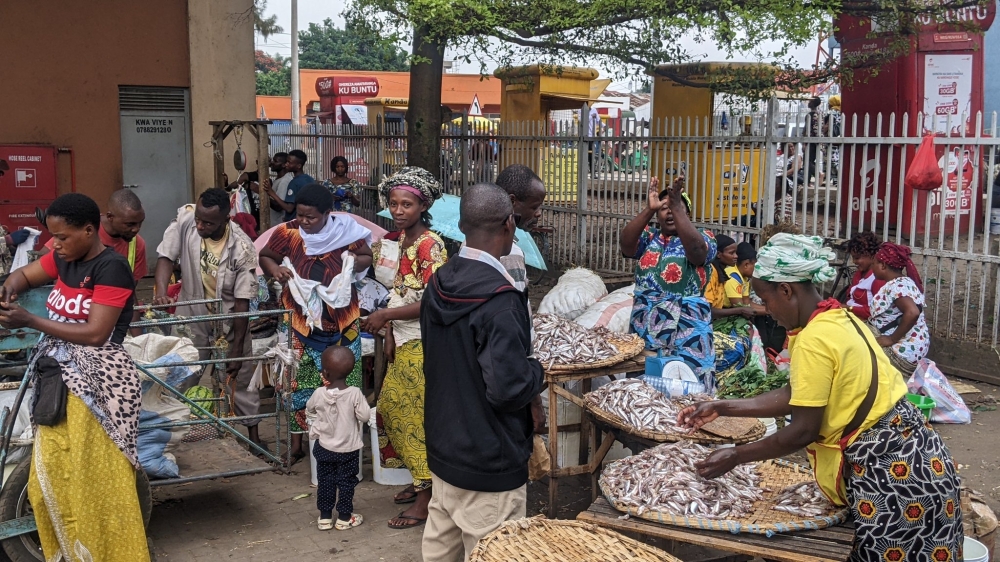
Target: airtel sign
{"x": 348, "y": 90}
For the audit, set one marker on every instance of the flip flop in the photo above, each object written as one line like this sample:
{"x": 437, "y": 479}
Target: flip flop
{"x": 416, "y": 521}
{"x": 294, "y": 459}
{"x": 409, "y": 498}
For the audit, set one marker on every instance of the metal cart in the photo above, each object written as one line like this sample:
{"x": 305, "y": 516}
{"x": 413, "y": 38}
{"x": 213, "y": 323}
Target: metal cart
{"x": 221, "y": 452}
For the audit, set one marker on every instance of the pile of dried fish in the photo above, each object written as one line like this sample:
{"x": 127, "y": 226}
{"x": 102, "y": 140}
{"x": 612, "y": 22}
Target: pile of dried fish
{"x": 642, "y": 406}
{"x": 664, "y": 479}
{"x": 805, "y": 500}
{"x": 563, "y": 342}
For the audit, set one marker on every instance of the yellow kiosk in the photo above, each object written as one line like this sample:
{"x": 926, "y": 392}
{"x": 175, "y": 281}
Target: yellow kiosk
{"x": 724, "y": 176}
{"x": 527, "y": 95}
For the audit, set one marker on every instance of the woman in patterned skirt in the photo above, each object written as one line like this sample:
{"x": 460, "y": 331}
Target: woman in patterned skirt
{"x": 870, "y": 449}
{"x": 82, "y": 484}
{"x": 670, "y": 312}
{"x": 897, "y": 310}
{"x": 314, "y": 244}
{"x": 405, "y": 260}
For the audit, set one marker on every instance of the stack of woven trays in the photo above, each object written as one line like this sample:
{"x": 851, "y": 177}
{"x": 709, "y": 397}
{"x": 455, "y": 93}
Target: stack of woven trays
{"x": 551, "y": 540}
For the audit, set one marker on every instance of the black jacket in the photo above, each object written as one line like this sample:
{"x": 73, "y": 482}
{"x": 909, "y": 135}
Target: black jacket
{"x": 480, "y": 381}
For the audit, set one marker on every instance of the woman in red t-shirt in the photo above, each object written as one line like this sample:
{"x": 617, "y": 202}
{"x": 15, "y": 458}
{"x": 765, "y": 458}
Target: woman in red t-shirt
{"x": 94, "y": 439}
{"x": 864, "y": 285}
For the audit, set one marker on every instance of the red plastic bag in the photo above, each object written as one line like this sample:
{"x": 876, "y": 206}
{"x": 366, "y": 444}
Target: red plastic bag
{"x": 924, "y": 173}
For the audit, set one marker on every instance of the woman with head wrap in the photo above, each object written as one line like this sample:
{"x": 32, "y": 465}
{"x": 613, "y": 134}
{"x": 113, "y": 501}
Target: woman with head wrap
{"x": 897, "y": 310}
{"x": 864, "y": 285}
{"x": 669, "y": 311}
{"x": 870, "y": 449}
{"x": 314, "y": 244}
{"x": 405, "y": 260}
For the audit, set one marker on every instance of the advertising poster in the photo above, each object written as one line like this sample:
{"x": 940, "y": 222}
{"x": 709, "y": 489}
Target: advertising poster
{"x": 947, "y": 93}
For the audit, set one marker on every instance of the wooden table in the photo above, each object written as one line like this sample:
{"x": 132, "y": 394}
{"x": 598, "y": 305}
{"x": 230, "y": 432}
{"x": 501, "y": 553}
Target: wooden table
{"x": 587, "y": 463}
{"x": 832, "y": 544}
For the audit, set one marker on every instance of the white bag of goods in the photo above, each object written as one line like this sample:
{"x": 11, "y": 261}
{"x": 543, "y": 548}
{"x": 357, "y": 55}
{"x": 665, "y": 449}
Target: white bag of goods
{"x": 611, "y": 312}
{"x": 22, "y": 423}
{"x": 576, "y": 290}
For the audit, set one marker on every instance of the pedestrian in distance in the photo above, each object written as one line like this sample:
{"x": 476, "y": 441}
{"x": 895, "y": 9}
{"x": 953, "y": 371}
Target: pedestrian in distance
{"x": 336, "y": 411}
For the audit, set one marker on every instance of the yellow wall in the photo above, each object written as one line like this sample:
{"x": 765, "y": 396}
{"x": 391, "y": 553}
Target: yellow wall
{"x": 223, "y": 85}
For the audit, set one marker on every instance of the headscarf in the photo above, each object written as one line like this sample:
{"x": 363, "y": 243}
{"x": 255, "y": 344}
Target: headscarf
{"x": 684, "y": 196}
{"x": 413, "y": 179}
{"x": 722, "y": 242}
{"x": 897, "y": 257}
{"x": 794, "y": 258}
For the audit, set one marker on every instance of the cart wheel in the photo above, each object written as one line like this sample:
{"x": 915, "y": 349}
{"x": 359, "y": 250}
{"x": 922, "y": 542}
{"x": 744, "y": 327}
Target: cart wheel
{"x": 14, "y": 503}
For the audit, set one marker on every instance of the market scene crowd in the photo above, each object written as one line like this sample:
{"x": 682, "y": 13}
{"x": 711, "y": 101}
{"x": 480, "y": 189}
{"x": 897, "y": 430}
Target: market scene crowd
{"x": 459, "y": 405}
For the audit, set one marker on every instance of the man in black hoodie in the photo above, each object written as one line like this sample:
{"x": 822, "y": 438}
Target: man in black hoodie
{"x": 480, "y": 382}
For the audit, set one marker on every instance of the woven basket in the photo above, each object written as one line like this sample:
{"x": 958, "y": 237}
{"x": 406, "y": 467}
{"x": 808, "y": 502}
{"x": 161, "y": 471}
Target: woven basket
{"x": 699, "y": 436}
{"x": 628, "y": 347}
{"x": 552, "y": 540}
{"x": 776, "y": 476}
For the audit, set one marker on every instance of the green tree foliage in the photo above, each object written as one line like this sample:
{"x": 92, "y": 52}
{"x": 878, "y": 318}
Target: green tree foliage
{"x": 274, "y": 77}
{"x": 266, "y": 26}
{"x": 633, "y": 37}
{"x": 356, "y": 47}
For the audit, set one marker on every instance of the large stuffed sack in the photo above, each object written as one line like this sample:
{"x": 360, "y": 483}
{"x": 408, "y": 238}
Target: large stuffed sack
{"x": 612, "y": 312}
{"x": 577, "y": 289}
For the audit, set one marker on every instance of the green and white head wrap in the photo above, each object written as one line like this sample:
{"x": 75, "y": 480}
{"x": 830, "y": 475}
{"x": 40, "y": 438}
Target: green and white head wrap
{"x": 794, "y": 258}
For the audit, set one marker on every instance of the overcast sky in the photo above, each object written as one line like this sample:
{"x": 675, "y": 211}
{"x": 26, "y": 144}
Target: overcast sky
{"x": 318, "y": 10}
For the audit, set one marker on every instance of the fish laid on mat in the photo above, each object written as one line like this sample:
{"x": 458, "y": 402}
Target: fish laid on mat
{"x": 805, "y": 500}
{"x": 563, "y": 342}
{"x": 642, "y": 406}
{"x": 664, "y": 479}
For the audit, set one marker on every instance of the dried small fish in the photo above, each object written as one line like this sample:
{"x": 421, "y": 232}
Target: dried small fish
{"x": 558, "y": 341}
{"x": 804, "y": 499}
{"x": 641, "y": 406}
{"x": 664, "y": 479}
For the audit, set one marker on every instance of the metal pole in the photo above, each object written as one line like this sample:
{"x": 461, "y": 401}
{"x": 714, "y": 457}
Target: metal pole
{"x": 770, "y": 199}
{"x": 295, "y": 64}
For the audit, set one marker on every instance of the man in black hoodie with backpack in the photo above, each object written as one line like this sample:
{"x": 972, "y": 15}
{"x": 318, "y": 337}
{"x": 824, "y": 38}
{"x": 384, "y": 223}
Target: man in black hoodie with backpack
{"x": 480, "y": 382}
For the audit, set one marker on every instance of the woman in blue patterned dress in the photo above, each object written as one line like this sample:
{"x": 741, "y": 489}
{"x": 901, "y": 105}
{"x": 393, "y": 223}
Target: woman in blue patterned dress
{"x": 669, "y": 312}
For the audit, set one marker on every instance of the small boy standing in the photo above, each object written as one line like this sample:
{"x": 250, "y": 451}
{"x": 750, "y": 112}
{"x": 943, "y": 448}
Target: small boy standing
{"x": 334, "y": 411}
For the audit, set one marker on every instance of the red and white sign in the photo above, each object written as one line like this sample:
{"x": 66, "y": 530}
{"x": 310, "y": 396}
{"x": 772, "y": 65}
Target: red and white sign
{"x": 349, "y": 90}
{"x": 957, "y": 200}
{"x": 947, "y": 93}
{"x": 475, "y": 108}
{"x": 31, "y": 175}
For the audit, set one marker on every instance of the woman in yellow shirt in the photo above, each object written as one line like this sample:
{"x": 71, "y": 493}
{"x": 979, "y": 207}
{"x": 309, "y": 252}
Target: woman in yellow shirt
{"x": 870, "y": 448}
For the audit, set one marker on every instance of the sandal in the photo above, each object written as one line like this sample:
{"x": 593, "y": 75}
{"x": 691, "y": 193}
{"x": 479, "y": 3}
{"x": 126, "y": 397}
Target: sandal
{"x": 416, "y": 521}
{"x": 291, "y": 460}
{"x": 325, "y": 524}
{"x": 409, "y": 497}
{"x": 356, "y": 519}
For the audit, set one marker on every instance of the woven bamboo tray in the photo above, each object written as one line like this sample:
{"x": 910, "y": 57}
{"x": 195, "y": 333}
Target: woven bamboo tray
{"x": 628, "y": 346}
{"x": 756, "y": 432}
{"x": 776, "y": 476}
{"x": 552, "y": 540}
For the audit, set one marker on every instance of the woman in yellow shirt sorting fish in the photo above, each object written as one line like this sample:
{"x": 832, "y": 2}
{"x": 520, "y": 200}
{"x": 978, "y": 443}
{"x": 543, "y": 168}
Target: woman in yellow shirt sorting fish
{"x": 870, "y": 449}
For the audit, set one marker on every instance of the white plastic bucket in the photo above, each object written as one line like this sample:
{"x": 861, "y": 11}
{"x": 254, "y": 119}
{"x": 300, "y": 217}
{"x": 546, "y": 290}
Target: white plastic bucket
{"x": 975, "y": 551}
{"x": 312, "y": 463}
{"x": 770, "y": 426}
{"x": 995, "y": 221}
{"x": 386, "y": 476}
